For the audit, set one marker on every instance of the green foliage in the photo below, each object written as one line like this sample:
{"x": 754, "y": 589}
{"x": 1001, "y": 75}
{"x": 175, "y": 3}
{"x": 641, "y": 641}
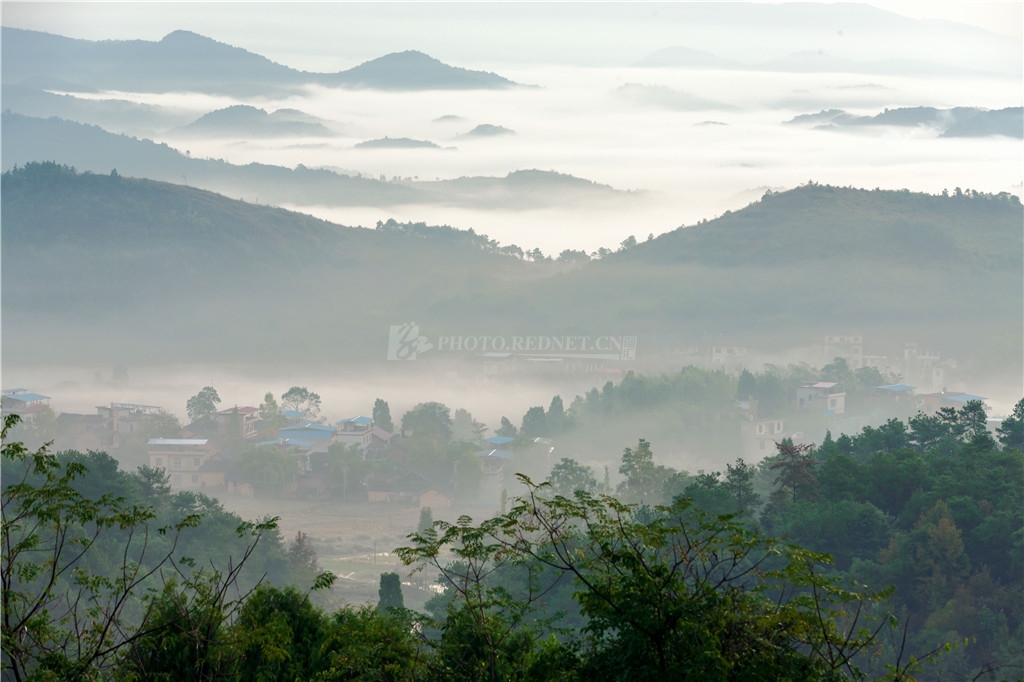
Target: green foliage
{"x": 301, "y": 553}
{"x": 271, "y": 417}
{"x": 567, "y": 476}
{"x": 429, "y": 420}
{"x": 645, "y": 481}
{"x": 191, "y": 637}
{"x": 302, "y": 400}
{"x": 507, "y": 429}
{"x": 365, "y": 645}
{"x": 1011, "y": 431}
{"x": 202, "y": 407}
{"x": 465, "y": 428}
{"x": 426, "y": 520}
{"x": 668, "y": 593}
{"x": 390, "y": 593}
{"x": 60, "y": 616}
{"x": 535, "y": 423}
{"x": 382, "y": 415}
{"x": 91, "y": 580}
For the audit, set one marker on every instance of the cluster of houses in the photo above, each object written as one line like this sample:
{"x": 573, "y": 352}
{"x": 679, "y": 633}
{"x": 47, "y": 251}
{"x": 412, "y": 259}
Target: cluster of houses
{"x": 205, "y": 463}
{"x": 202, "y": 460}
{"x": 827, "y": 400}
{"x": 924, "y": 366}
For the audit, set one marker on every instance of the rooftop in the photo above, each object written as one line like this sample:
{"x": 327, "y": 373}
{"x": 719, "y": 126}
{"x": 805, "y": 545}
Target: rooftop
{"x": 895, "y": 388}
{"x": 178, "y": 441}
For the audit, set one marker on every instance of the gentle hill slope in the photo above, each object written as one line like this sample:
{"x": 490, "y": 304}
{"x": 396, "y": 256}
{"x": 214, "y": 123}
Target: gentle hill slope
{"x": 172, "y": 268}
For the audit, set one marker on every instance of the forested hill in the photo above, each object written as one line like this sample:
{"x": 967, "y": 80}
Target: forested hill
{"x": 155, "y": 263}
{"x": 135, "y": 266}
{"x": 814, "y": 222}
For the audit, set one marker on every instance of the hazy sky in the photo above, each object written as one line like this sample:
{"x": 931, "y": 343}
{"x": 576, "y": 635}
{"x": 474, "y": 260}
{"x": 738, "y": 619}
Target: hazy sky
{"x": 326, "y": 35}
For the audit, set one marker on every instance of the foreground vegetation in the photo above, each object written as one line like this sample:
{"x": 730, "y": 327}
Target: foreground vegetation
{"x": 108, "y": 575}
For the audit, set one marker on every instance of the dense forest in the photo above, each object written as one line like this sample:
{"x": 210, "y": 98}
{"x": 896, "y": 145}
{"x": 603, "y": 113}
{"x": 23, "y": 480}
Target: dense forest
{"x": 894, "y": 553}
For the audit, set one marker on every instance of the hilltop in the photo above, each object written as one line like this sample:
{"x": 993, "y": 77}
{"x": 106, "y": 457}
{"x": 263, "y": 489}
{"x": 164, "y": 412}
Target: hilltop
{"x": 170, "y": 266}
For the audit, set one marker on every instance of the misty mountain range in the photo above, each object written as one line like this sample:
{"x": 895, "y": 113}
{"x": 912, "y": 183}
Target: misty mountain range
{"x": 186, "y": 61}
{"x": 955, "y": 122}
{"x": 219, "y": 280}
{"x": 90, "y": 148}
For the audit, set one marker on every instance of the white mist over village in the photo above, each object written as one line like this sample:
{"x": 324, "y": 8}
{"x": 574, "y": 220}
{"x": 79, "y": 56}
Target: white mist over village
{"x": 525, "y": 341}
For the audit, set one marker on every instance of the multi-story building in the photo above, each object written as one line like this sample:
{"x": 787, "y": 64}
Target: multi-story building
{"x": 181, "y": 458}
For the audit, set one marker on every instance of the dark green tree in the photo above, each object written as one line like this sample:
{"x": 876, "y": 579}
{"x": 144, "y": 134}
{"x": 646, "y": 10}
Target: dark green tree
{"x": 202, "y": 407}
{"x": 567, "y": 476}
{"x": 535, "y": 423}
{"x": 302, "y": 554}
{"x": 795, "y": 466}
{"x": 1011, "y": 431}
{"x": 302, "y": 400}
{"x": 430, "y": 420}
{"x": 507, "y": 428}
{"x": 556, "y": 418}
{"x": 382, "y": 415}
{"x": 390, "y": 593}
{"x": 644, "y": 480}
{"x": 271, "y": 417}
{"x": 426, "y": 521}
{"x": 739, "y": 482}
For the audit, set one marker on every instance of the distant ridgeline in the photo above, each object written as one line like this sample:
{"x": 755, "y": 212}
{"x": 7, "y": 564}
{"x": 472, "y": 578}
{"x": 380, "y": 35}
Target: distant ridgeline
{"x": 137, "y": 267}
{"x": 186, "y": 60}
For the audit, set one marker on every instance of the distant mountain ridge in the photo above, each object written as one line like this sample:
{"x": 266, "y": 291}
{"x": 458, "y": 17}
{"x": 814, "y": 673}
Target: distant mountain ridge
{"x": 90, "y": 148}
{"x": 955, "y": 122}
{"x": 187, "y": 61}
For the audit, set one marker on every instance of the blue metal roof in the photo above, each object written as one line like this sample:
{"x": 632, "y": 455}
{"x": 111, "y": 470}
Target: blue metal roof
{"x": 962, "y": 397}
{"x": 896, "y": 388}
{"x": 356, "y": 420}
{"x": 500, "y": 440}
{"x": 27, "y": 397}
{"x": 317, "y": 431}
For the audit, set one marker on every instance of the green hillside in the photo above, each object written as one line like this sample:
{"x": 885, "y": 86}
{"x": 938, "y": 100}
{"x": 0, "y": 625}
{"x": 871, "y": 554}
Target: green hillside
{"x": 102, "y": 261}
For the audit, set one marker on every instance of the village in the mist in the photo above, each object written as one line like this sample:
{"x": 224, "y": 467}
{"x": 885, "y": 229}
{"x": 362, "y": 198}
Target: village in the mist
{"x": 361, "y": 267}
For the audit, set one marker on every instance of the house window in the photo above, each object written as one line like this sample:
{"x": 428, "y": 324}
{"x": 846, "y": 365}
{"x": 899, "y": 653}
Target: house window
{"x": 176, "y": 464}
{"x": 762, "y": 444}
{"x": 831, "y": 403}
{"x": 195, "y": 462}
{"x": 159, "y": 461}
{"x": 760, "y": 428}
{"x": 195, "y": 478}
